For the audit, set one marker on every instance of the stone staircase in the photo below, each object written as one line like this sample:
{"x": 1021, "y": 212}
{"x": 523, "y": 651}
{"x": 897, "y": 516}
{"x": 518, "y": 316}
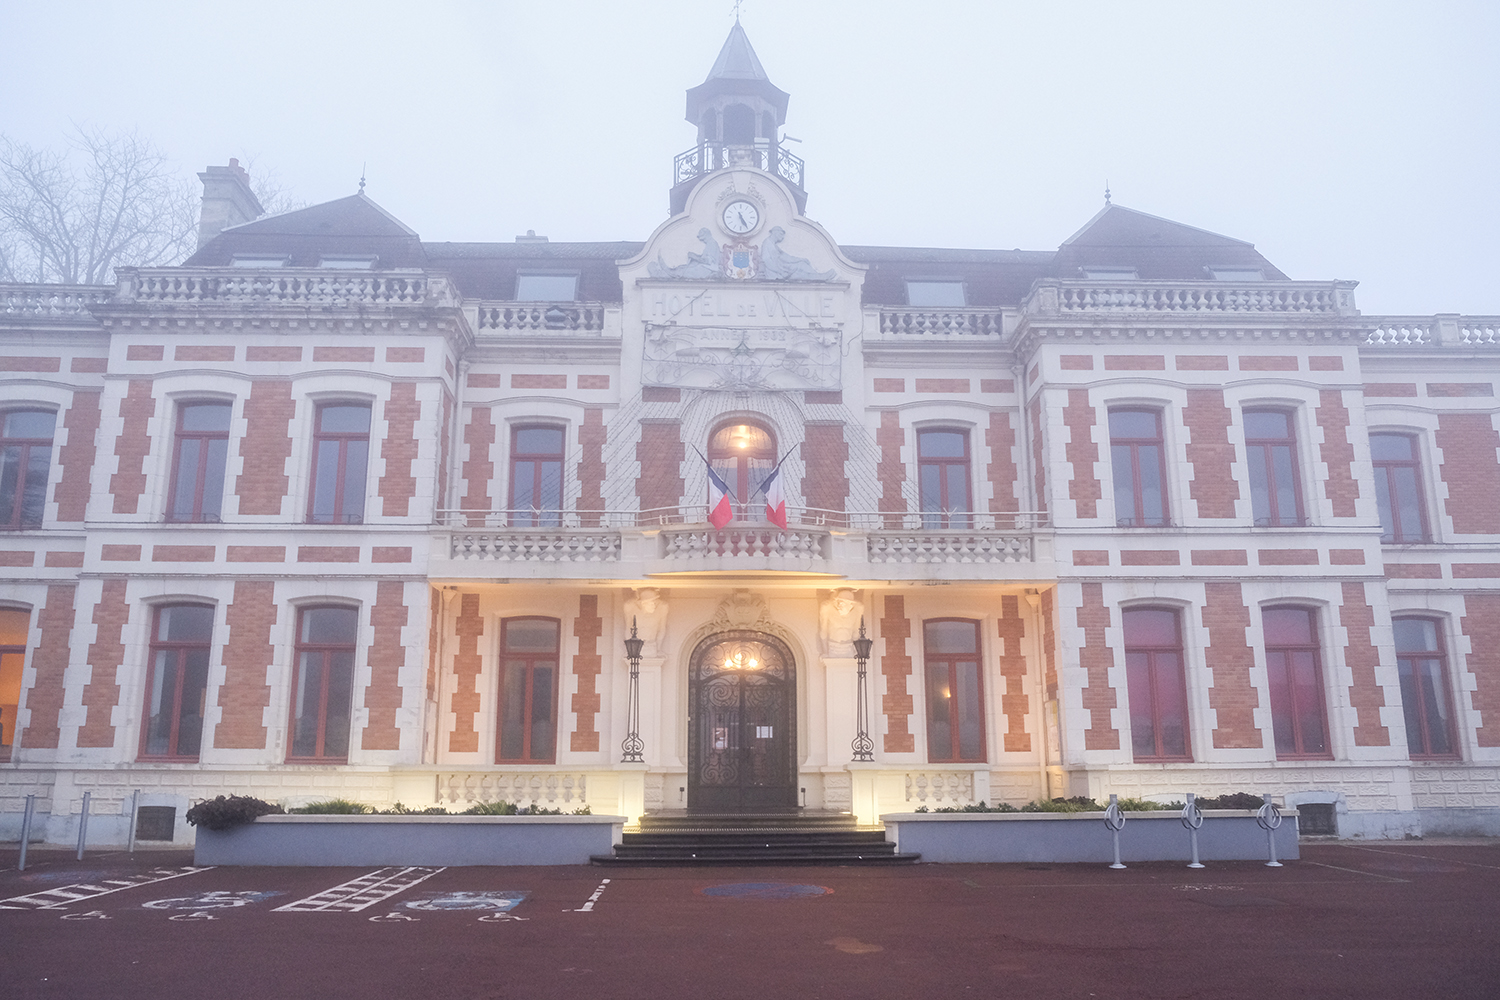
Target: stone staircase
{"x": 792, "y": 838}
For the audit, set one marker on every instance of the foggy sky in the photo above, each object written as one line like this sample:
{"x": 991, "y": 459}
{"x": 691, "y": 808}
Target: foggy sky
{"x": 1346, "y": 140}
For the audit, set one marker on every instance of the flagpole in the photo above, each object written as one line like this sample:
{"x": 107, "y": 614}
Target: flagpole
{"x": 772, "y": 473}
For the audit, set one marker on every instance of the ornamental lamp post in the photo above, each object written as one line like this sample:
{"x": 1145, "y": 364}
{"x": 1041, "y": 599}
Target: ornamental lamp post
{"x": 632, "y": 747}
{"x": 863, "y": 746}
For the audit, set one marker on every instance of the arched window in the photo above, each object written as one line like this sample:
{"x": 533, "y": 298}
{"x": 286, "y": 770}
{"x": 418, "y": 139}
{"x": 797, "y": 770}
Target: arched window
{"x": 14, "y": 625}
{"x": 1293, "y": 662}
{"x": 177, "y": 682}
{"x": 1139, "y": 466}
{"x": 1422, "y": 664}
{"x": 1398, "y": 488}
{"x": 341, "y": 454}
{"x": 198, "y": 464}
{"x": 536, "y": 476}
{"x": 1271, "y": 451}
{"x": 1158, "y": 691}
{"x": 529, "y": 650}
{"x": 25, "y": 461}
{"x": 743, "y": 454}
{"x": 943, "y": 477}
{"x": 955, "y": 690}
{"x": 323, "y": 688}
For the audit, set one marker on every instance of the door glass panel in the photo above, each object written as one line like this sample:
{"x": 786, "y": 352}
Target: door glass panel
{"x": 971, "y": 721}
{"x": 1171, "y": 704}
{"x": 190, "y": 711}
{"x": 159, "y": 704}
{"x": 306, "y": 704}
{"x": 542, "y": 726}
{"x": 513, "y": 711}
{"x": 1142, "y": 724}
{"x": 356, "y": 455}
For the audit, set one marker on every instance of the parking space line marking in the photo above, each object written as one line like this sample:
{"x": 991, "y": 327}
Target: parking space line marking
{"x": 1356, "y": 871}
{"x": 362, "y": 892}
{"x": 589, "y": 906}
{"x": 1425, "y": 857}
{"x": 56, "y": 899}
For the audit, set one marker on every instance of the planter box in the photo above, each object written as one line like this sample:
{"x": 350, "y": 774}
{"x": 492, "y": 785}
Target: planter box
{"x": 411, "y": 840}
{"x": 1227, "y": 835}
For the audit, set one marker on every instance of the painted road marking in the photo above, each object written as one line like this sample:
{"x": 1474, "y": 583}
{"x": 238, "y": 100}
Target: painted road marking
{"x": 589, "y": 906}
{"x": 488, "y": 901}
{"x": 359, "y": 893}
{"x": 217, "y": 900}
{"x": 56, "y": 899}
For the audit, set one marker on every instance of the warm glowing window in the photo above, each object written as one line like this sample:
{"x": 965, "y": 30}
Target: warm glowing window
{"x": 1422, "y": 664}
{"x": 743, "y": 454}
{"x": 1296, "y": 675}
{"x": 955, "y": 690}
{"x": 177, "y": 682}
{"x": 529, "y": 650}
{"x": 25, "y": 461}
{"x": 1158, "y": 688}
{"x": 323, "y": 688}
{"x": 341, "y": 452}
{"x": 14, "y": 625}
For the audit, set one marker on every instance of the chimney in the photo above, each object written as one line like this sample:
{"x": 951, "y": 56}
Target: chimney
{"x": 227, "y": 200}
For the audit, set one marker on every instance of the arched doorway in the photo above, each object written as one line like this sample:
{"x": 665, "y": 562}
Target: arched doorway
{"x": 742, "y": 740}
{"x": 742, "y": 453}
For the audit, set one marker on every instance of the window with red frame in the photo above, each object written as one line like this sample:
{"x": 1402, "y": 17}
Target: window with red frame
{"x": 15, "y": 626}
{"x": 955, "y": 690}
{"x": 536, "y": 476}
{"x": 25, "y": 461}
{"x": 198, "y": 465}
{"x": 943, "y": 478}
{"x": 1423, "y": 668}
{"x": 323, "y": 688}
{"x": 1398, "y": 488}
{"x": 341, "y": 453}
{"x": 1296, "y": 674}
{"x": 1271, "y": 452}
{"x": 528, "y": 691}
{"x": 743, "y": 455}
{"x": 177, "y": 682}
{"x": 1157, "y": 685}
{"x": 1139, "y": 464}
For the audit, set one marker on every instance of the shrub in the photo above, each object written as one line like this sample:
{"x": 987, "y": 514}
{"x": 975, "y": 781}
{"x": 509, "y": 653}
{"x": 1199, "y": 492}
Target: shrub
{"x": 1144, "y": 805}
{"x": 229, "y": 811}
{"x": 400, "y": 810}
{"x": 998, "y": 807}
{"x": 1078, "y": 803}
{"x": 1232, "y": 800}
{"x": 333, "y": 807}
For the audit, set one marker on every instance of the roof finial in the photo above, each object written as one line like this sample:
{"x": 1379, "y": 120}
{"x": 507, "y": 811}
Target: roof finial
{"x": 362, "y": 178}
{"x": 1106, "y": 191}
{"x": 737, "y": 4}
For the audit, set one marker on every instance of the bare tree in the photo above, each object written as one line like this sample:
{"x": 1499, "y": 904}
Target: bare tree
{"x": 271, "y": 191}
{"x": 110, "y": 200}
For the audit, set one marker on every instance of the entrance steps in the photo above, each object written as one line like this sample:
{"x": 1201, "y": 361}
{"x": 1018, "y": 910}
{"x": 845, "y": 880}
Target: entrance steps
{"x": 787, "y": 838}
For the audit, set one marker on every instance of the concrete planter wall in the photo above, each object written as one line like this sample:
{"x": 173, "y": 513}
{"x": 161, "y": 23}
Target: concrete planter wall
{"x": 1227, "y": 835}
{"x": 411, "y": 840}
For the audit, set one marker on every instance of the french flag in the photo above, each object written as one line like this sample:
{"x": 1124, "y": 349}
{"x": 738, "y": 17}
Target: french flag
{"x": 775, "y": 498}
{"x": 720, "y": 511}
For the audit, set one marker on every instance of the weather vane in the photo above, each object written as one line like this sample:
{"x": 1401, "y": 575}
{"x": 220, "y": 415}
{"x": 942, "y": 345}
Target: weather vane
{"x": 737, "y": 5}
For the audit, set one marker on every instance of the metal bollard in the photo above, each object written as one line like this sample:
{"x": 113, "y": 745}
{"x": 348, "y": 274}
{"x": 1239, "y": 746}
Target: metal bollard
{"x": 1268, "y": 817}
{"x": 1115, "y": 820}
{"x": 135, "y": 804}
{"x": 1192, "y": 818}
{"x": 26, "y": 830}
{"x": 83, "y": 824}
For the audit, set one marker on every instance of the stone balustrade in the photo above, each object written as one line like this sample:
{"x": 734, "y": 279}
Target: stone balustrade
{"x": 941, "y": 322}
{"x": 538, "y": 545}
{"x": 565, "y": 790}
{"x": 51, "y": 301}
{"x": 939, "y": 789}
{"x": 1192, "y": 298}
{"x": 541, "y": 317}
{"x": 698, "y": 542}
{"x": 1445, "y": 330}
{"x": 278, "y": 286}
{"x": 928, "y": 547}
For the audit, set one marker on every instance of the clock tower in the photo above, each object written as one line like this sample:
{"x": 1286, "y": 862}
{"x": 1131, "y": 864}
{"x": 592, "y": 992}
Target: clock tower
{"x": 738, "y": 113}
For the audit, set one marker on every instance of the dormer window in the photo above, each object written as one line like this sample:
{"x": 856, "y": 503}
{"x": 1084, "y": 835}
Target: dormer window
{"x": 246, "y": 260}
{"x": 347, "y": 263}
{"x": 1110, "y": 274}
{"x": 546, "y": 287}
{"x": 1237, "y": 273}
{"x": 927, "y": 293}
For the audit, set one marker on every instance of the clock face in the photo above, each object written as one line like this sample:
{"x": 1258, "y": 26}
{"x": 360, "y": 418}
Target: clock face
{"x": 740, "y": 217}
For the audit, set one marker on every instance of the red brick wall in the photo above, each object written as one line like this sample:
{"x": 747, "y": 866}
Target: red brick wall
{"x": 1097, "y": 658}
{"x": 891, "y": 471}
{"x": 132, "y": 446}
{"x": 247, "y": 657}
{"x": 466, "y": 666}
{"x": 1365, "y": 694}
{"x": 1481, "y": 623}
{"x": 387, "y": 656}
{"x": 1013, "y": 702}
{"x": 1079, "y": 417}
{"x": 1038, "y": 454}
{"x": 399, "y": 449}
{"x": 895, "y": 666}
{"x": 50, "y": 661}
{"x": 479, "y": 469}
{"x": 1471, "y": 470}
{"x": 1233, "y": 698}
{"x": 587, "y": 665}
{"x": 267, "y": 444}
{"x": 1000, "y": 438}
{"x": 106, "y": 653}
{"x": 824, "y": 452}
{"x": 1340, "y": 487}
{"x": 660, "y": 452}
{"x": 1214, "y": 489}
{"x": 592, "y": 435}
{"x": 77, "y": 457}
{"x": 344, "y": 354}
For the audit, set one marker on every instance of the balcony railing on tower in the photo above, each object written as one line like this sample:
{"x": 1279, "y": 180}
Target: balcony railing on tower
{"x": 762, "y": 154}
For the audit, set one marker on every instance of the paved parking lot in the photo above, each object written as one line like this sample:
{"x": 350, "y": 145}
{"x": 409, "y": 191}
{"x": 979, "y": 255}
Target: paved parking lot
{"x": 1359, "y": 921}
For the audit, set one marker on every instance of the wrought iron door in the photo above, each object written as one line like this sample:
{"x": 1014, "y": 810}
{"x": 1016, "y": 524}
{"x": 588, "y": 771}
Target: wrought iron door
{"x": 742, "y": 747}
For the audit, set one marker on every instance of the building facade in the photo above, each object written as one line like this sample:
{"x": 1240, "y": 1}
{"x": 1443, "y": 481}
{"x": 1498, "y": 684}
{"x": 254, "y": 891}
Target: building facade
{"x": 331, "y": 510}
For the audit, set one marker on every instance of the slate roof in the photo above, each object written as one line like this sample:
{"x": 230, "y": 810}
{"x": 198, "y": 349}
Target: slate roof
{"x": 1157, "y": 248}
{"x": 737, "y": 71}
